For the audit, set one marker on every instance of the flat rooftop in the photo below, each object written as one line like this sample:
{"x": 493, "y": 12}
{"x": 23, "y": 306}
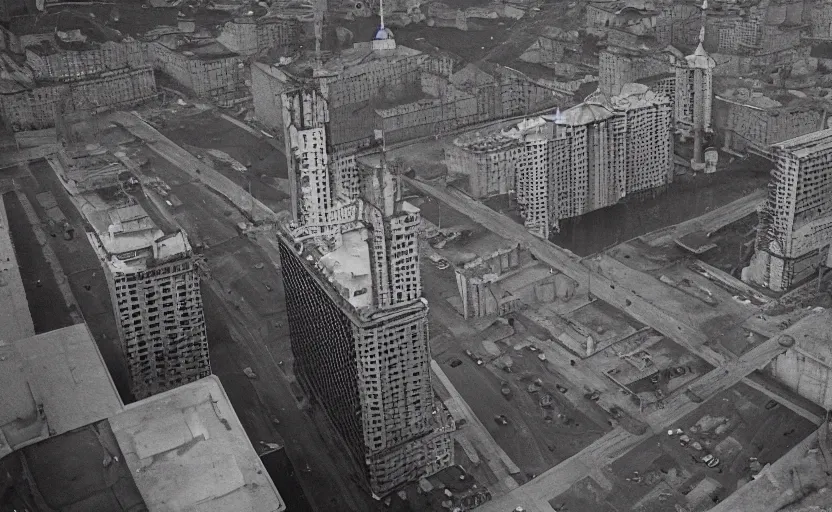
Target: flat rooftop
{"x": 182, "y": 450}
{"x": 187, "y": 450}
{"x": 50, "y": 384}
{"x": 807, "y": 145}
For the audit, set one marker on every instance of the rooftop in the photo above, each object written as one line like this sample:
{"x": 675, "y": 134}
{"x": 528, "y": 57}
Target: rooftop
{"x": 77, "y": 471}
{"x": 204, "y": 50}
{"x": 129, "y": 230}
{"x": 347, "y": 61}
{"x": 348, "y": 268}
{"x": 187, "y": 450}
{"x": 50, "y": 384}
{"x": 182, "y": 450}
{"x": 807, "y": 145}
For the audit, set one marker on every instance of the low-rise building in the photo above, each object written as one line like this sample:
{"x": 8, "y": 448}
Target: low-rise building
{"x": 751, "y": 121}
{"x": 68, "y": 441}
{"x": 206, "y": 68}
{"x": 30, "y": 106}
{"x": 249, "y": 35}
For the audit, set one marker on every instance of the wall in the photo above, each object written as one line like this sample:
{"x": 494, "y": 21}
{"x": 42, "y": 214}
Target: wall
{"x": 219, "y": 79}
{"x": 618, "y": 67}
{"x": 805, "y": 375}
{"x": 80, "y": 65}
{"x": 35, "y": 109}
{"x": 749, "y": 128}
{"x": 369, "y": 81}
{"x": 490, "y": 172}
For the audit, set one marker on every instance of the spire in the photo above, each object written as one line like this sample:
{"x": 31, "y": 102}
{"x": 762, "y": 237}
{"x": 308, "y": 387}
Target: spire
{"x": 319, "y": 22}
{"x": 381, "y": 13}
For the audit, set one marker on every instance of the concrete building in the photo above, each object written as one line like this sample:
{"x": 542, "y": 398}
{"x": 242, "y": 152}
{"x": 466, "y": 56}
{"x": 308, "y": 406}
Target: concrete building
{"x": 357, "y": 82}
{"x": 806, "y": 368}
{"x": 750, "y": 121}
{"x": 50, "y": 62}
{"x": 26, "y": 106}
{"x": 795, "y": 229}
{"x": 637, "y": 18}
{"x": 353, "y": 294}
{"x": 620, "y": 66}
{"x": 247, "y": 35}
{"x": 70, "y": 74}
{"x": 68, "y": 442}
{"x": 206, "y": 68}
{"x": 151, "y": 271}
{"x": 571, "y": 163}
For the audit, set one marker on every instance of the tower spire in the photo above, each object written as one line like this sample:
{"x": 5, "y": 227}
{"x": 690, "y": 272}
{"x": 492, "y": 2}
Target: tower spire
{"x": 319, "y": 28}
{"x": 381, "y": 13}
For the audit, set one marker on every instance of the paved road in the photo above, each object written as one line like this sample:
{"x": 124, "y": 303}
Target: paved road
{"x": 195, "y": 168}
{"x": 497, "y": 459}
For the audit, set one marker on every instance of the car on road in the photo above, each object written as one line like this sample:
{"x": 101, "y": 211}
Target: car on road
{"x": 473, "y": 357}
{"x": 501, "y": 419}
{"x": 455, "y": 362}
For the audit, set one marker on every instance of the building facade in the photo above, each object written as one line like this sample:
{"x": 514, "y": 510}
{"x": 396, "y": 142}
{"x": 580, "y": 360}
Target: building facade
{"x": 795, "y": 229}
{"x": 357, "y": 318}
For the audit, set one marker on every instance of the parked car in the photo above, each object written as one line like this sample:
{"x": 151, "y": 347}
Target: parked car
{"x": 710, "y": 460}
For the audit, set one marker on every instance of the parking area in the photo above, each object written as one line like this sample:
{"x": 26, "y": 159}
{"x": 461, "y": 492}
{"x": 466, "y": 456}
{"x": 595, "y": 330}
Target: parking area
{"x": 740, "y": 428}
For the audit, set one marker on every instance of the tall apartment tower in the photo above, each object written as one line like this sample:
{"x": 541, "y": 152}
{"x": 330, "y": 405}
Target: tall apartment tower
{"x": 151, "y": 272}
{"x": 795, "y": 229}
{"x": 592, "y": 155}
{"x": 358, "y": 322}
{"x": 154, "y": 288}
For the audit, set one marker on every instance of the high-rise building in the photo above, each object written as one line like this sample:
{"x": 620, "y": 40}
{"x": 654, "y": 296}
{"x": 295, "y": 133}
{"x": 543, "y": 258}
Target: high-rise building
{"x": 591, "y": 156}
{"x": 151, "y": 272}
{"x": 795, "y": 229}
{"x": 358, "y": 322}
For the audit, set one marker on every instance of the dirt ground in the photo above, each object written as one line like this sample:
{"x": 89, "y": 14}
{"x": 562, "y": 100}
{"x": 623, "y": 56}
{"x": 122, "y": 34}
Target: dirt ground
{"x": 657, "y": 474}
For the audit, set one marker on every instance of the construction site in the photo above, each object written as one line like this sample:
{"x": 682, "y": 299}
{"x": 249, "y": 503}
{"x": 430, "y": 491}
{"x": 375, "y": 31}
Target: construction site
{"x": 540, "y": 256}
